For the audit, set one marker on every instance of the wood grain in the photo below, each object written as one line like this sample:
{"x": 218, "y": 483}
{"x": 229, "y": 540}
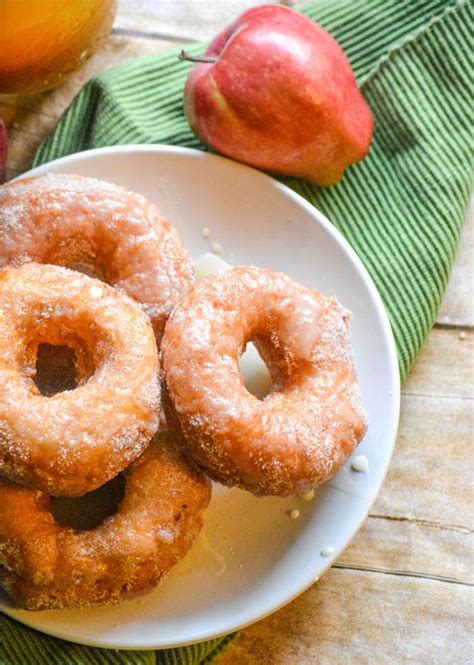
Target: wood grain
{"x": 445, "y": 367}
{"x": 430, "y": 475}
{"x": 192, "y": 20}
{"x": 412, "y": 547}
{"x": 359, "y": 618}
{"x": 458, "y": 305}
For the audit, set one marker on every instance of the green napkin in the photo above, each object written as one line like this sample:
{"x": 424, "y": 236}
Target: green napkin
{"x": 402, "y": 208}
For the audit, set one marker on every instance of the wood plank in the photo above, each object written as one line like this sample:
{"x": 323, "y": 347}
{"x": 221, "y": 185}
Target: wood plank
{"x": 430, "y": 475}
{"x": 458, "y": 304}
{"x": 412, "y": 547}
{"x": 354, "y": 617}
{"x": 431, "y": 472}
{"x": 445, "y": 366}
{"x": 421, "y": 524}
{"x": 190, "y": 19}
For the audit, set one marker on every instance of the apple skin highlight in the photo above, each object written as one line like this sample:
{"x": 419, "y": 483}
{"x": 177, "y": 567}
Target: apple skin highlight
{"x": 280, "y": 96}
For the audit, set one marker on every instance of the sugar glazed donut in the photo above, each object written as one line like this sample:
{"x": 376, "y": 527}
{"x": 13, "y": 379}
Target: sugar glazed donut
{"x": 76, "y": 440}
{"x": 44, "y": 565}
{"x": 313, "y": 418}
{"x": 100, "y": 228}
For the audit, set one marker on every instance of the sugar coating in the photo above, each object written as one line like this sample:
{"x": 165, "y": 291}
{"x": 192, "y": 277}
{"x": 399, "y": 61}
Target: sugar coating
{"x": 74, "y": 441}
{"x": 46, "y": 566}
{"x": 100, "y": 228}
{"x": 302, "y": 432}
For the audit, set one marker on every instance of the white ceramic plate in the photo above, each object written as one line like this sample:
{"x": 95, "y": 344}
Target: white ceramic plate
{"x": 252, "y": 558}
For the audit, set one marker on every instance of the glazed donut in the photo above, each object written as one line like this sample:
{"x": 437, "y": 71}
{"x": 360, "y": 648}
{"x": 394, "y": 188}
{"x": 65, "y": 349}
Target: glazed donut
{"x": 313, "y": 418}
{"x": 74, "y": 441}
{"x": 44, "y": 565}
{"x": 99, "y": 228}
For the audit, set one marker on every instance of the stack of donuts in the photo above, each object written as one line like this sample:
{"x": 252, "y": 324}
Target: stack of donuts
{"x": 93, "y": 275}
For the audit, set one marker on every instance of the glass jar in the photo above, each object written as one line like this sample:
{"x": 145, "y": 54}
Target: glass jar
{"x": 43, "y": 41}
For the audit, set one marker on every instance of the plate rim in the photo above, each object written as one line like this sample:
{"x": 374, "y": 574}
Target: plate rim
{"x": 393, "y": 420}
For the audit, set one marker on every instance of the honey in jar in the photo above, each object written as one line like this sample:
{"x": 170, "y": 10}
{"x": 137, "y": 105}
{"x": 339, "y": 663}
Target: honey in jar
{"x": 43, "y": 41}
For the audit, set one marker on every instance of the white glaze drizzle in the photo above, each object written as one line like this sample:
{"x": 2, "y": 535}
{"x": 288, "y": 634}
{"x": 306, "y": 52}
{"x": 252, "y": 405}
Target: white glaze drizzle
{"x": 360, "y": 464}
{"x": 327, "y": 551}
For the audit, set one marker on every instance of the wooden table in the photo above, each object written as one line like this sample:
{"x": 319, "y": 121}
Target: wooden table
{"x": 401, "y": 592}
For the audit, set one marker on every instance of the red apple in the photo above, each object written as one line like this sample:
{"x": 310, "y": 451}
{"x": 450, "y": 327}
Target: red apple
{"x": 278, "y": 92}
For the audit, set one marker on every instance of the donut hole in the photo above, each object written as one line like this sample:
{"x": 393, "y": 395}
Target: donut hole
{"x": 255, "y": 372}
{"x": 61, "y": 353}
{"x": 55, "y": 369}
{"x": 90, "y": 510}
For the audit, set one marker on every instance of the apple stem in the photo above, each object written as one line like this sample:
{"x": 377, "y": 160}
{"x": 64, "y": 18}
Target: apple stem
{"x": 184, "y": 55}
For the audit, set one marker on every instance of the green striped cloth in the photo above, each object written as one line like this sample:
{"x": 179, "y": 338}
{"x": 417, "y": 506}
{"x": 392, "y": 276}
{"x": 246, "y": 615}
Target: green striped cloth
{"x": 402, "y": 208}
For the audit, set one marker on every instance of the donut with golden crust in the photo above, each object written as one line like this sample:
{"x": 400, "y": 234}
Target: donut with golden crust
{"x": 101, "y": 228}
{"x": 313, "y": 418}
{"x": 44, "y": 565}
{"x": 76, "y": 440}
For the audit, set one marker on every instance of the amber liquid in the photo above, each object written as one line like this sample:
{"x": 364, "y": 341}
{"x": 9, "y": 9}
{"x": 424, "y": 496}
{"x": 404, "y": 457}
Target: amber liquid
{"x": 43, "y": 41}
